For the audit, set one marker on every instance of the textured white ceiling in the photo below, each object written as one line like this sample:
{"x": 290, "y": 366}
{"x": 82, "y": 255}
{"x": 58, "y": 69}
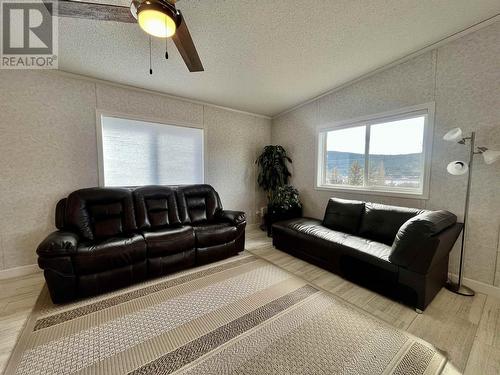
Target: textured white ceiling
{"x": 266, "y": 56}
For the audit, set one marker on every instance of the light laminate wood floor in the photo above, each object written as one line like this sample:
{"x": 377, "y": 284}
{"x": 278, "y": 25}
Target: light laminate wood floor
{"x": 467, "y": 329}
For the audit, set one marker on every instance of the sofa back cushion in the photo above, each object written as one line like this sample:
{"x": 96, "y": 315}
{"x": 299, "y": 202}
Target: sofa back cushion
{"x": 155, "y": 207}
{"x": 381, "y": 222}
{"x": 197, "y": 203}
{"x": 101, "y": 212}
{"x": 414, "y": 232}
{"x": 343, "y": 215}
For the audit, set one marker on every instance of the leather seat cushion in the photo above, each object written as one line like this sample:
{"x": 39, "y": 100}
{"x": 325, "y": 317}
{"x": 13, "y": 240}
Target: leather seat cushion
{"x": 381, "y": 222}
{"x": 330, "y": 240}
{"x": 109, "y": 254}
{"x": 214, "y": 234}
{"x": 169, "y": 240}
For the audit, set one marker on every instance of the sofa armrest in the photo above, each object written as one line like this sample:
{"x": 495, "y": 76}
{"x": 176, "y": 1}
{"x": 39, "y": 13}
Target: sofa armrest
{"x": 233, "y": 217}
{"x": 417, "y": 236}
{"x": 58, "y": 243}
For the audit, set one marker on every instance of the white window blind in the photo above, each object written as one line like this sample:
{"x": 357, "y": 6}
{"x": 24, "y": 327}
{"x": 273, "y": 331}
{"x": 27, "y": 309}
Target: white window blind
{"x": 136, "y": 153}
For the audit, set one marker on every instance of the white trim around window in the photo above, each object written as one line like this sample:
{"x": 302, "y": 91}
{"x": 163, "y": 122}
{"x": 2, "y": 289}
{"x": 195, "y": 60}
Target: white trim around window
{"x": 99, "y": 136}
{"x": 422, "y": 192}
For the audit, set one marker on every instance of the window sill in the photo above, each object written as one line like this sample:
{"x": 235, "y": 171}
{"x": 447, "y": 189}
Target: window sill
{"x": 365, "y": 191}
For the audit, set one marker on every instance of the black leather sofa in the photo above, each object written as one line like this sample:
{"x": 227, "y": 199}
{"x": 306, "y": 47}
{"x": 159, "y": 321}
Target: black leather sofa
{"x": 400, "y": 252}
{"x": 109, "y": 238}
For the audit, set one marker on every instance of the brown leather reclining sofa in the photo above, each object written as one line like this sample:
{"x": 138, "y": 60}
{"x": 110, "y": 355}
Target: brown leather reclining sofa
{"x": 109, "y": 238}
{"x": 401, "y": 252}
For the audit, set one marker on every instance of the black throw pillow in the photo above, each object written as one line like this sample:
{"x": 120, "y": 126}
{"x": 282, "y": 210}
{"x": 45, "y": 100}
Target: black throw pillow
{"x": 343, "y": 215}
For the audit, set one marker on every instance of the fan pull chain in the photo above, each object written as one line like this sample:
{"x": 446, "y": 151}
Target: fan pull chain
{"x": 166, "y": 48}
{"x": 150, "y": 48}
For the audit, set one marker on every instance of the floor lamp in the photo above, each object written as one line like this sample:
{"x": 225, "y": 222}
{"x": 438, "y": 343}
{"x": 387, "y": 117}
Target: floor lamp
{"x": 460, "y": 168}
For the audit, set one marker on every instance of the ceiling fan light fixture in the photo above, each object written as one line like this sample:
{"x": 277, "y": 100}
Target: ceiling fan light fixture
{"x": 157, "y": 18}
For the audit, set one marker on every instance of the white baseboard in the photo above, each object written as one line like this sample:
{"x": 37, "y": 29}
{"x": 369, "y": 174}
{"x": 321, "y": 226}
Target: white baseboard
{"x": 19, "y": 271}
{"x": 478, "y": 286}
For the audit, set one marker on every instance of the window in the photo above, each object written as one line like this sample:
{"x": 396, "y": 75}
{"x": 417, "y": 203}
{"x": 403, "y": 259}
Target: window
{"x": 138, "y": 153}
{"x": 384, "y": 154}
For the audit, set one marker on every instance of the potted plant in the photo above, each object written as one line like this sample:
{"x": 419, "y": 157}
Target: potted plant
{"x": 284, "y": 205}
{"x": 283, "y": 200}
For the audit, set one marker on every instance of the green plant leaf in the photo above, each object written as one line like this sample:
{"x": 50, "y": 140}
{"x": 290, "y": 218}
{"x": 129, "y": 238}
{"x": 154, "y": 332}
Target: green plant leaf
{"x": 273, "y": 169}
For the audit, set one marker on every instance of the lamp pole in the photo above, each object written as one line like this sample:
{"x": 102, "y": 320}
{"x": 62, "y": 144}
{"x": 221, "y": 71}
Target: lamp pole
{"x": 458, "y": 287}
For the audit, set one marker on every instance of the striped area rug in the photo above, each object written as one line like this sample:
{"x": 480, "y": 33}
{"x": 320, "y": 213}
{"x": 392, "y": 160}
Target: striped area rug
{"x": 239, "y": 316}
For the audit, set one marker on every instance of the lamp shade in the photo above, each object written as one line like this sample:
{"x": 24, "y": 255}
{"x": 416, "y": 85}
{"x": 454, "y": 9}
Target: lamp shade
{"x": 491, "y": 156}
{"x": 453, "y": 135}
{"x": 457, "y": 168}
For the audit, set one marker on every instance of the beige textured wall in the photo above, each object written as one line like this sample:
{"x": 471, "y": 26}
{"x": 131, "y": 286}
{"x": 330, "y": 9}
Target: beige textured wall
{"x": 463, "y": 78}
{"x": 48, "y": 149}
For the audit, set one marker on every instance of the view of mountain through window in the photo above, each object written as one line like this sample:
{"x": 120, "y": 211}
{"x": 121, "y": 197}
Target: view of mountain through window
{"x": 396, "y": 153}
{"x": 385, "y": 155}
{"x": 345, "y": 162}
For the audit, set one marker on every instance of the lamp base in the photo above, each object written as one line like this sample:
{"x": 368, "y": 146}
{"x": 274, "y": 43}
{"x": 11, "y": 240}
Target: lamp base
{"x": 459, "y": 289}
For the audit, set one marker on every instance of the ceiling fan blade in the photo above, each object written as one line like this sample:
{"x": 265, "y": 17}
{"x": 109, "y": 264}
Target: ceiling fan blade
{"x": 93, "y": 11}
{"x": 184, "y": 43}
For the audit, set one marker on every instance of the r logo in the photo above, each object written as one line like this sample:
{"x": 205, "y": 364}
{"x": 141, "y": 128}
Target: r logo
{"x": 29, "y": 34}
{"x": 27, "y": 28}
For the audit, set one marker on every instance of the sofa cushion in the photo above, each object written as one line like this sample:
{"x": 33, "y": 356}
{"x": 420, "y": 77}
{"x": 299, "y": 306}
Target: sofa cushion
{"x": 104, "y": 255}
{"x": 98, "y": 213}
{"x": 167, "y": 241}
{"x": 324, "y": 240}
{"x": 156, "y": 207}
{"x": 214, "y": 234}
{"x": 198, "y": 203}
{"x": 106, "y": 219}
{"x": 381, "y": 222}
{"x": 362, "y": 247}
{"x": 414, "y": 233}
{"x": 343, "y": 215}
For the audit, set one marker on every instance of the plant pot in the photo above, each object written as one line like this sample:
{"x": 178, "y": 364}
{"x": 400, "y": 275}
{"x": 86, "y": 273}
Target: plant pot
{"x": 274, "y": 215}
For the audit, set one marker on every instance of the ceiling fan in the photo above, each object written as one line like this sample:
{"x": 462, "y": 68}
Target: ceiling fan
{"x": 159, "y": 18}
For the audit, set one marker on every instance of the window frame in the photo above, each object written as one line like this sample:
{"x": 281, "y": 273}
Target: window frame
{"x": 125, "y": 116}
{"x": 407, "y": 112}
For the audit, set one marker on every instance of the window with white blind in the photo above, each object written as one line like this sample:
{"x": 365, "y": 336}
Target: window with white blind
{"x": 385, "y": 154}
{"x": 135, "y": 153}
